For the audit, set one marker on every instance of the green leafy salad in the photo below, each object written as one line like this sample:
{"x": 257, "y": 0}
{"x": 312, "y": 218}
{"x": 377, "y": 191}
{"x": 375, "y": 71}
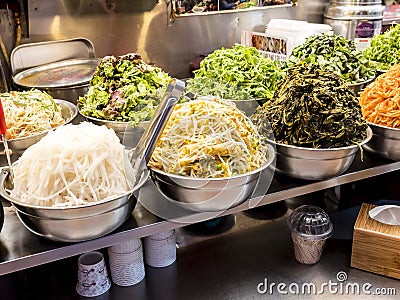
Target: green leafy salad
{"x": 236, "y": 73}
{"x": 384, "y": 49}
{"x": 336, "y": 54}
{"x": 124, "y": 89}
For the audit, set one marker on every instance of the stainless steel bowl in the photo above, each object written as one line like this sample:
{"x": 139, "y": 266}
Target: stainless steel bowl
{"x": 209, "y": 194}
{"x": 78, "y": 229}
{"x": 315, "y": 163}
{"x": 385, "y": 142}
{"x": 128, "y": 135}
{"x": 248, "y": 106}
{"x": 19, "y": 145}
{"x": 359, "y": 86}
{"x": 73, "y": 224}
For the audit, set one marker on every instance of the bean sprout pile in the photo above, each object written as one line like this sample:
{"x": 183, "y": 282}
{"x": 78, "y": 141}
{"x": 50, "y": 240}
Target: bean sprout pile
{"x": 208, "y": 138}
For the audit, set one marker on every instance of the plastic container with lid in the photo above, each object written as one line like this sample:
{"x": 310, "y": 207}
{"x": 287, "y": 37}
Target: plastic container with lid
{"x": 310, "y": 226}
{"x": 294, "y": 32}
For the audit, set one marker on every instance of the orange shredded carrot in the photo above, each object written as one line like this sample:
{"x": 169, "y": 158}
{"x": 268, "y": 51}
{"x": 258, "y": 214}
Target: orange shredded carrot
{"x": 380, "y": 100}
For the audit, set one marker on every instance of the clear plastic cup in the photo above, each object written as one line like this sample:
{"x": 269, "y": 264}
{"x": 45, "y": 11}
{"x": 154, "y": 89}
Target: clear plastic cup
{"x": 310, "y": 226}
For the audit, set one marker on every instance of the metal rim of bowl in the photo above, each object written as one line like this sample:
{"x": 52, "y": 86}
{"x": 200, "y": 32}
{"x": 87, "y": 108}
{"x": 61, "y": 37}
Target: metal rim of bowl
{"x": 383, "y": 127}
{"x": 366, "y": 140}
{"x": 6, "y": 195}
{"x": 103, "y": 121}
{"x": 271, "y": 157}
{"x": 365, "y": 82}
{"x": 69, "y": 105}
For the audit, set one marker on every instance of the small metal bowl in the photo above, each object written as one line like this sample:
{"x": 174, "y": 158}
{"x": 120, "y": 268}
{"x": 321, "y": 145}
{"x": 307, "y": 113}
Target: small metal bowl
{"x": 73, "y": 224}
{"x": 385, "y": 142}
{"x": 209, "y": 194}
{"x": 19, "y": 145}
{"x": 315, "y": 163}
{"x": 128, "y": 135}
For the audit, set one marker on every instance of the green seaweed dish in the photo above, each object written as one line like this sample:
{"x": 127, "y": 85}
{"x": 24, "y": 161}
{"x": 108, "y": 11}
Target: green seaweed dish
{"x": 312, "y": 108}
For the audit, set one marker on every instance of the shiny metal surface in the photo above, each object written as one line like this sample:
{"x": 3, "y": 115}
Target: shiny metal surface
{"x": 63, "y": 213}
{"x": 315, "y": 164}
{"x": 65, "y": 73}
{"x": 129, "y": 136}
{"x": 67, "y": 79}
{"x": 385, "y": 142}
{"x": 21, "y": 249}
{"x": 358, "y": 87}
{"x": 31, "y": 55}
{"x": 209, "y": 194}
{"x": 78, "y": 229}
{"x": 248, "y": 106}
{"x": 19, "y": 145}
{"x": 73, "y": 224}
{"x": 141, "y": 26}
{"x": 356, "y": 2}
{"x": 351, "y": 12}
{"x": 250, "y": 250}
{"x": 141, "y": 155}
{"x": 347, "y": 28}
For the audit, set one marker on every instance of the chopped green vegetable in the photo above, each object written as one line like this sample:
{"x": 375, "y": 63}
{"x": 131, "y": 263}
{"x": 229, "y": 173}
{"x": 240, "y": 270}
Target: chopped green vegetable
{"x": 384, "y": 49}
{"x": 124, "y": 89}
{"x": 334, "y": 53}
{"x": 236, "y": 73}
{"x": 312, "y": 108}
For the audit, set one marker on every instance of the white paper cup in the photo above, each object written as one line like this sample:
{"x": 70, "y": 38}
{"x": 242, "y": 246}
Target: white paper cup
{"x": 126, "y": 268}
{"x": 160, "y": 249}
{"x": 93, "y": 278}
{"x": 126, "y": 247}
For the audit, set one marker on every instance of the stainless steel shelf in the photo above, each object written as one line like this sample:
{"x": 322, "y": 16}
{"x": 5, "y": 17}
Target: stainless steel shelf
{"x": 20, "y": 249}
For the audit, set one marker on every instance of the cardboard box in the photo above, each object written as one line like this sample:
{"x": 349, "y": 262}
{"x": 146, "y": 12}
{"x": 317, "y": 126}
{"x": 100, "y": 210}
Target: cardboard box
{"x": 376, "y": 246}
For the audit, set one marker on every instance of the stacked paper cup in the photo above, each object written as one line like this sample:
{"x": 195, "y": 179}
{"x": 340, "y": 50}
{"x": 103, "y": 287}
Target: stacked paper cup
{"x": 160, "y": 249}
{"x": 126, "y": 262}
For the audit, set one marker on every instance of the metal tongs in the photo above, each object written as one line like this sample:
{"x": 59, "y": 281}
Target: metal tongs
{"x": 140, "y": 156}
{"x": 3, "y": 131}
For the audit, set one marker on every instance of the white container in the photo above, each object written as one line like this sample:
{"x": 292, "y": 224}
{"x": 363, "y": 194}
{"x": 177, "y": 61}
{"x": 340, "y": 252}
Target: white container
{"x": 294, "y": 32}
{"x": 126, "y": 264}
{"x": 93, "y": 278}
{"x": 160, "y": 249}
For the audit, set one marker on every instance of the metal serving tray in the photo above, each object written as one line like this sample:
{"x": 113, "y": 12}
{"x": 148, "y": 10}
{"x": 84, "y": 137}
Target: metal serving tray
{"x": 35, "y": 54}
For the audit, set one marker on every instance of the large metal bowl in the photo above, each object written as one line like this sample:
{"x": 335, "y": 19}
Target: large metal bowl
{"x": 79, "y": 229}
{"x": 73, "y": 224}
{"x": 385, "y": 142}
{"x": 19, "y": 145}
{"x": 315, "y": 163}
{"x": 209, "y": 194}
{"x": 128, "y": 135}
{"x": 359, "y": 86}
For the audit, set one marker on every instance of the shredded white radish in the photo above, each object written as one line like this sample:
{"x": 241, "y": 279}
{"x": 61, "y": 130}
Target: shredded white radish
{"x": 72, "y": 166}
{"x": 29, "y": 112}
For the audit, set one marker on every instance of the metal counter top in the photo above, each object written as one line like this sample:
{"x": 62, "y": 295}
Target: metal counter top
{"x": 20, "y": 249}
{"x": 247, "y": 261}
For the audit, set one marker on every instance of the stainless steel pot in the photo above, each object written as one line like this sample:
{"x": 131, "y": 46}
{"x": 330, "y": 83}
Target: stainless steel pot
{"x": 355, "y": 19}
{"x": 67, "y": 79}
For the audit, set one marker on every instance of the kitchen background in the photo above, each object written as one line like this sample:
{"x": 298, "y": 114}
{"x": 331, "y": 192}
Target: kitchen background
{"x": 143, "y": 26}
